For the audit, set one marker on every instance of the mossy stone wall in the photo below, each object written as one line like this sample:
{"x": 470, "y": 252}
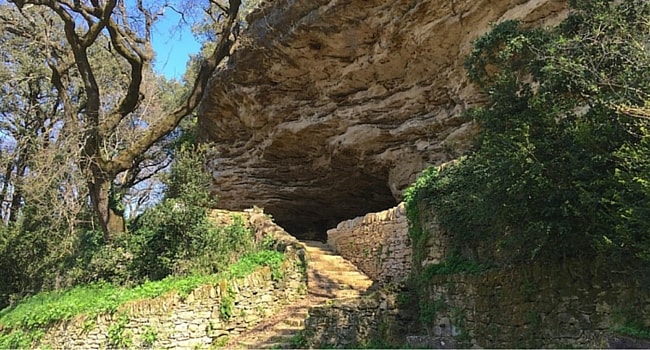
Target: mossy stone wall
{"x": 187, "y": 322}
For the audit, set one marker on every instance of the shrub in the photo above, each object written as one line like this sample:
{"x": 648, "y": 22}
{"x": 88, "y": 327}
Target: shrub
{"x": 560, "y": 168}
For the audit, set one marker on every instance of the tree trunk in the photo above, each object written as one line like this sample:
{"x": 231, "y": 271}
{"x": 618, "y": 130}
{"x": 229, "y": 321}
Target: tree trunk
{"x": 111, "y": 221}
{"x": 17, "y": 197}
{"x": 6, "y": 211}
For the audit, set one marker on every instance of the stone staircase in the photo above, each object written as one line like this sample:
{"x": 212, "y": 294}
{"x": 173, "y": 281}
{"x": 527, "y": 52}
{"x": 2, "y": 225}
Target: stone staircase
{"x": 329, "y": 277}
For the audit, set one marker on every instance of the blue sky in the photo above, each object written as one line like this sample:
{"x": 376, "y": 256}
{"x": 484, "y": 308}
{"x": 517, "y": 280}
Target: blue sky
{"x": 173, "y": 45}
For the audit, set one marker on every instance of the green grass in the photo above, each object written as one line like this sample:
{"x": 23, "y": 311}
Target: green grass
{"x": 635, "y": 331}
{"x": 35, "y": 313}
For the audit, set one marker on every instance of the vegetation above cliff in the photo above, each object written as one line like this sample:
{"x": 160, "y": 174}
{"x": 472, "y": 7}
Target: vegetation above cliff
{"x": 562, "y": 165}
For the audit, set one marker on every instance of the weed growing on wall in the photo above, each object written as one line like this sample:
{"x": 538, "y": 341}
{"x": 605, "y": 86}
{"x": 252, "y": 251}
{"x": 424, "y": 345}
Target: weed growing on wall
{"x": 414, "y": 196}
{"x": 221, "y": 341}
{"x": 634, "y": 330}
{"x": 149, "y": 337}
{"x": 227, "y": 304}
{"x": 300, "y": 340}
{"x": 118, "y": 336}
{"x": 452, "y": 265}
{"x": 20, "y": 339}
{"x": 429, "y": 309}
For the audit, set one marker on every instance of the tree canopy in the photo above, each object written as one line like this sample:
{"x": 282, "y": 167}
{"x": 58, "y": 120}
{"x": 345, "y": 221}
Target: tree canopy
{"x": 85, "y": 125}
{"x": 94, "y": 62}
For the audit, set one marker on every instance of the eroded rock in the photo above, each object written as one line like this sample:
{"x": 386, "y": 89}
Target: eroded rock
{"x": 328, "y": 109}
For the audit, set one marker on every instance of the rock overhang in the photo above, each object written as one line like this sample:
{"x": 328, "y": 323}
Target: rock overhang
{"x": 327, "y": 109}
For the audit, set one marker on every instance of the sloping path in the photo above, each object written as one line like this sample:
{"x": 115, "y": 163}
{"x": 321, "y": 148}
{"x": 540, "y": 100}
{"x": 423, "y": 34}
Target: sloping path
{"x": 329, "y": 276}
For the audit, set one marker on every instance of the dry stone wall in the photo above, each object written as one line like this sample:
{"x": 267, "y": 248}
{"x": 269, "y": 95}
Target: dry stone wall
{"x": 550, "y": 306}
{"x": 377, "y": 243}
{"x": 187, "y": 322}
{"x": 356, "y": 322}
{"x": 560, "y": 305}
{"x": 572, "y": 304}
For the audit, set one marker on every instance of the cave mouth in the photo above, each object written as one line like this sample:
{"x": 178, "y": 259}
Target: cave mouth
{"x": 309, "y": 218}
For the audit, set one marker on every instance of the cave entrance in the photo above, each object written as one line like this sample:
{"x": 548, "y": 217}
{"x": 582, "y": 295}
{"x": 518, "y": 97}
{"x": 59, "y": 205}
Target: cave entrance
{"x": 309, "y": 218}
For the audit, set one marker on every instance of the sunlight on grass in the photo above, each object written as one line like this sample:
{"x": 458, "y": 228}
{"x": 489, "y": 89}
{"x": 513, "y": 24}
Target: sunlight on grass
{"x": 43, "y": 309}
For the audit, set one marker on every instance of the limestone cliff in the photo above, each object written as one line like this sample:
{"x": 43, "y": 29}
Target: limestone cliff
{"x": 328, "y": 109}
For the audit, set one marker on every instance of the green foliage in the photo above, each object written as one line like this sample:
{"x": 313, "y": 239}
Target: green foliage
{"x": 300, "y": 340}
{"x": 227, "y": 304}
{"x": 375, "y": 343}
{"x": 188, "y": 181}
{"x": 45, "y": 308}
{"x": 20, "y": 339}
{"x": 404, "y": 298}
{"x": 248, "y": 263}
{"x": 149, "y": 337}
{"x": 413, "y": 196}
{"x": 634, "y": 330}
{"x": 36, "y": 254}
{"x": 430, "y": 308}
{"x": 95, "y": 261}
{"x": 25, "y": 321}
{"x": 453, "y": 264}
{"x": 176, "y": 237}
{"x": 118, "y": 336}
{"x": 23, "y": 254}
{"x": 160, "y": 247}
{"x": 559, "y": 169}
{"x": 533, "y": 319}
{"x": 245, "y": 266}
{"x": 221, "y": 342}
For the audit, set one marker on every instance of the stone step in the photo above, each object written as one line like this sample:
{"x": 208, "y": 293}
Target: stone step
{"x": 337, "y": 271}
{"x": 282, "y": 338}
{"x": 265, "y": 345}
{"x": 295, "y": 321}
{"x": 333, "y": 268}
{"x": 309, "y": 243}
{"x": 319, "y": 248}
{"x": 332, "y": 288}
{"x": 343, "y": 280}
{"x": 322, "y": 256}
{"x": 327, "y": 264}
{"x": 329, "y": 277}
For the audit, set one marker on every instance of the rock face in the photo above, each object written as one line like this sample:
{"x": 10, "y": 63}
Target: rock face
{"x": 328, "y": 109}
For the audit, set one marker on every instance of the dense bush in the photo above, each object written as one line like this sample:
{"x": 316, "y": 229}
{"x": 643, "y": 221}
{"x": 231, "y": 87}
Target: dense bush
{"x": 33, "y": 254}
{"x": 174, "y": 237}
{"x": 561, "y": 168}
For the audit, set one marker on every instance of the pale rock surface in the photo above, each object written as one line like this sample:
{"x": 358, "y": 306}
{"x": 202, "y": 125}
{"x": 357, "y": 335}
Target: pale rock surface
{"x": 328, "y": 109}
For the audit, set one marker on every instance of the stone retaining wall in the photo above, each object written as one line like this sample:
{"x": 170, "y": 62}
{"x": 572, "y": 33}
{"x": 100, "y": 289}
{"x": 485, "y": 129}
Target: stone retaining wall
{"x": 555, "y": 305}
{"x": 357, "y": 322}
{"x": 377, "y": 243}
{"x": 570, "y": 304}
{"x": 197, "y": 319}
{"x": 550, "y": 306}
